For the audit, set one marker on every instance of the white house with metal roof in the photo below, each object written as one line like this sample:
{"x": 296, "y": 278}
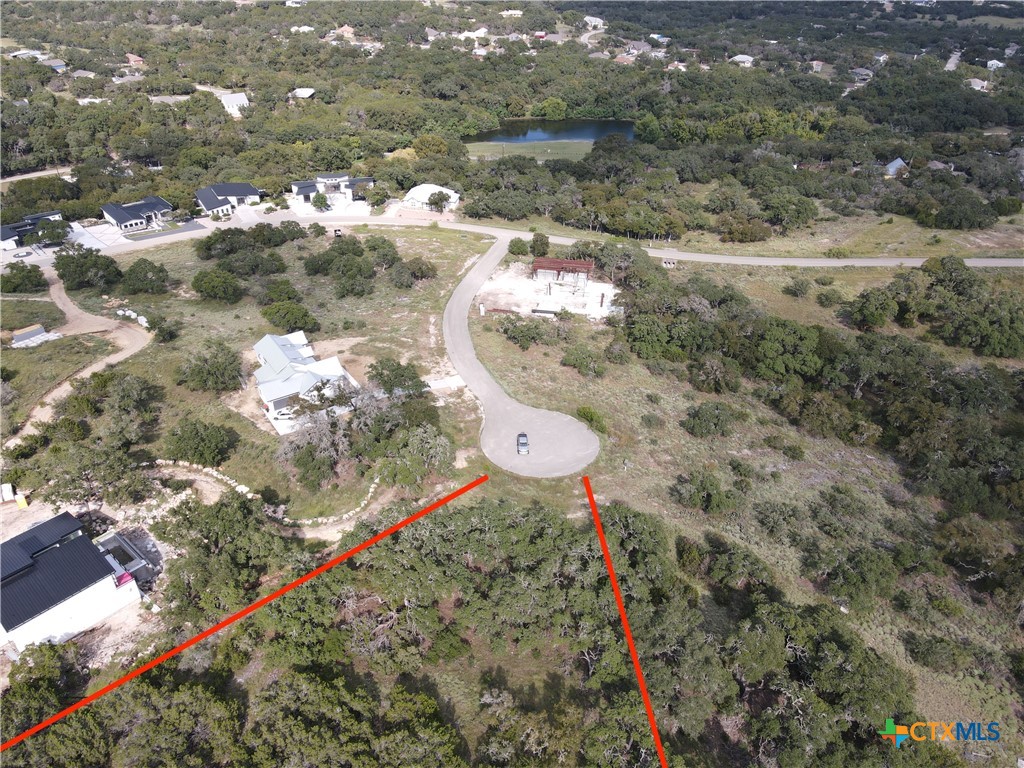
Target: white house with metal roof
{"x": 289, "y": 372}
{"x": 338, "y": 187}
{"x": 419, "y": 197}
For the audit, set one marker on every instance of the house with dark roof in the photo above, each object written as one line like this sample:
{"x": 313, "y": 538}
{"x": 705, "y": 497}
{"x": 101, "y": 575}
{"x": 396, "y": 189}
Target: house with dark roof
{"x": 896, "y": 169}
{"x": 132, "y": 217}
{"x": 222, "y": 199}
{"x": 56, "y": 583}
{"x": 339, "y": 185}
{"x": 12, "y": 235}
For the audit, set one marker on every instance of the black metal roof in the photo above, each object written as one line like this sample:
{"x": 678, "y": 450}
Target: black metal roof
{"x": 44, "y": 566}
{"x": 122, "y": 214}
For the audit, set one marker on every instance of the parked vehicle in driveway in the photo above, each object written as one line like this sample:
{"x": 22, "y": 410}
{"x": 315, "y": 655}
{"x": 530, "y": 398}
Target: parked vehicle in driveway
{"x": 23, "y": 254}
{"x": 522, "y": 444}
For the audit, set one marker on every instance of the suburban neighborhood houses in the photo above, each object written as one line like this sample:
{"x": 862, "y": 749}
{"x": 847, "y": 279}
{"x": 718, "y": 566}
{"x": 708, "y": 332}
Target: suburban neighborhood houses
{"x": 457, "y": 384}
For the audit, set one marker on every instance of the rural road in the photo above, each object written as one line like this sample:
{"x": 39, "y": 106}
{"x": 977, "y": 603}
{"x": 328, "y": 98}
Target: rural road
{"x": 130, "y": 337}
{"x": 559, "y": 444}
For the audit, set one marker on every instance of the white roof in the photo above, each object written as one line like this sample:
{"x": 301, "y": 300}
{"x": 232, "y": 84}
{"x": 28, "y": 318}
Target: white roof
{"x": 509, "y": 13}
{"x": 290, "y": 369}
{"x": 742, "y": 57}
{"x": 233, "y": 102}
{"x": 421, "y": 194}
{"x": 593, "y": 20}
{"x": 303, "y": 28}
{"x": 303, "y": 93}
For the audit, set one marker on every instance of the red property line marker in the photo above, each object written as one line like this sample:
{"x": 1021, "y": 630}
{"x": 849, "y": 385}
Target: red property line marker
{"x": 242, "y": 613}
{"x": 625, "y": 623}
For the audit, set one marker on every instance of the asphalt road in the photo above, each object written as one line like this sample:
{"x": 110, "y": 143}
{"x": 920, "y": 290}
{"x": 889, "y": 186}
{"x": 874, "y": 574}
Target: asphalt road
{"x": 559, "y": 444}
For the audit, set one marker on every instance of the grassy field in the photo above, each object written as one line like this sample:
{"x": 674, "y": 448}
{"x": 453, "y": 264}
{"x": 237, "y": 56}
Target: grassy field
{"x": 40, "y": 369}
{"x": 866, "y": 236}
{"x": 539, "y": 150}
{"x": 17, "y": 313}
{"x": 994, "y": 21}
{"x": 639, "y": 463}
{"x": 402, "y": 324}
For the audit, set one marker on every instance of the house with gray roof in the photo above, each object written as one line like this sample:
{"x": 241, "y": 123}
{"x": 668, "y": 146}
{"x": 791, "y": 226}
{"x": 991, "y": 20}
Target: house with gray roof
{"x": 222, "y": 199}
{"x": 13, "y": 235}
{"x": 132, "y": 217}
{"x": 56, "y": 583}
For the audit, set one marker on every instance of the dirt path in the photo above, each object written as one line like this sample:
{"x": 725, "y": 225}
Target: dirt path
{"x": 130, "y": 337}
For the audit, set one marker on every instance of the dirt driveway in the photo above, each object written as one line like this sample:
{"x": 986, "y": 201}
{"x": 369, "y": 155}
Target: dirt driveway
{"x": 129, "y": 337}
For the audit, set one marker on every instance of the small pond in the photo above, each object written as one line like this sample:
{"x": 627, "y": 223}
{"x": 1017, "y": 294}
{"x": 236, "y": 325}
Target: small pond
{"x": 529, "y": 131}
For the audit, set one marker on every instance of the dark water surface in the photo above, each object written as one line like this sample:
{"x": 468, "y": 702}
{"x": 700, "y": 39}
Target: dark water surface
{"x": 529, "y": 131}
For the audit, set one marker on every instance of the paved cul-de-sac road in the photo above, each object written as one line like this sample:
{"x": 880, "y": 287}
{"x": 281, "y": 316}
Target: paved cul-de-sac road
{"x": 559, "y": 444}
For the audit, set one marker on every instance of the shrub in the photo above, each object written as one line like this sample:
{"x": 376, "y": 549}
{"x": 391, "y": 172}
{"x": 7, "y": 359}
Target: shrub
{"x": 421, "y": 269}
{"x": 794, "y": 452}
{"x": 218, "y": 285}
{"x": 591, "y": 418}
{"x": 524, "y": 332}
{"x": 1006, "y": 206}
{"x": 143, "y": 276}
{"x": 22, "y": 278}
{"x": 936, "y": 653}
{"x": 824, "y": 280}
{"x": 518, "y": 247}
{"x": 290, "y": 316}
{"x": 81, "y": 267}
{"x": 838, "y": 252}
{"x": 584, "y": 361}
{"x": 216, "y": 368}
{"x": 863, "y": 577}
{"x": 540, "y": 245}
{"x": 652, "y": 421}
{"x": 873, "y": 308}
{"x": 401, "y": 276}
{"x": 715, "y": 374}
{"x": 617, "y": 352}
{"x": 798, "y": 287}
{"x": 201, "y": 443}
{"x": 709, "y": 419}
{"x": 278, "y": 290}
{"x": 703, "y": 490}
{"x": 383, "y": 250}
{"x": 829, "y": 298}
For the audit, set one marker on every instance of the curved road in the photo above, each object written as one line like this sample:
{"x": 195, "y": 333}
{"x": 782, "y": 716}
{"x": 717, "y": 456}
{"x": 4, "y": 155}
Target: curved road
{"x": 130, "y": 337}
{"x": 559, "y": 444}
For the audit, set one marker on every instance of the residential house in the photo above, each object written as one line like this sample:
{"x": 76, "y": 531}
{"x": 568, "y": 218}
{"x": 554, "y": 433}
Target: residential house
{"x": 742, "y": 60}
{"x": 862, "y": 75}
{"x": 511, "y": 14}
{"x": 56, "y": 583}
{"x": 418, "y": 197}
{"x": 637, "y": 47}
{"x": 294, "y": 3}
{"x": 896, "y": 169}
{"x": 86, "y": 100}
{"x": 234, "y": 103}
{"x": 593, "y": 22}
{"x": 303, "y": 29}
{"x": 131, "y": 217}
{"x": 816, "y": 66}
{"x": 289, "y": 373}
{"x": 222, "y": 199}
{"x": 302, "y": 93}
{"x": 880, "y": 58}
{"x": 474, "y": 35}
{"x": 79, "y": 73}
{"x": 27, "y": 53}
{"x": 57, "y": 65}
{"x": 625, "y": 58}
{"x": 12, "y": 235}
{"x": 995, "y": 64}
{"x": 432, "y": 34}
{"x": 347, "y": 31}
{"x": 660, "y": 39}
{"x": 677, "y": 66}
{"x": 134, "y": 61}
{"x": 976, "y": 84}
{"x": 1010, "y": 50}
{"x": 334, "y": 185}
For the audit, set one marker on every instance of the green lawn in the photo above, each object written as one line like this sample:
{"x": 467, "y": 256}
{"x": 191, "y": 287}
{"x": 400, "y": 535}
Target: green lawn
{"x": 17, "y": 313}
{"x": 539, "y": 150}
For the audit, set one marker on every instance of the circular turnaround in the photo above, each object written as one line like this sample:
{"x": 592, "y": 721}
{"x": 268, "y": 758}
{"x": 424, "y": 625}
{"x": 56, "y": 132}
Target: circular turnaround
{"x": 558, "y": 444}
